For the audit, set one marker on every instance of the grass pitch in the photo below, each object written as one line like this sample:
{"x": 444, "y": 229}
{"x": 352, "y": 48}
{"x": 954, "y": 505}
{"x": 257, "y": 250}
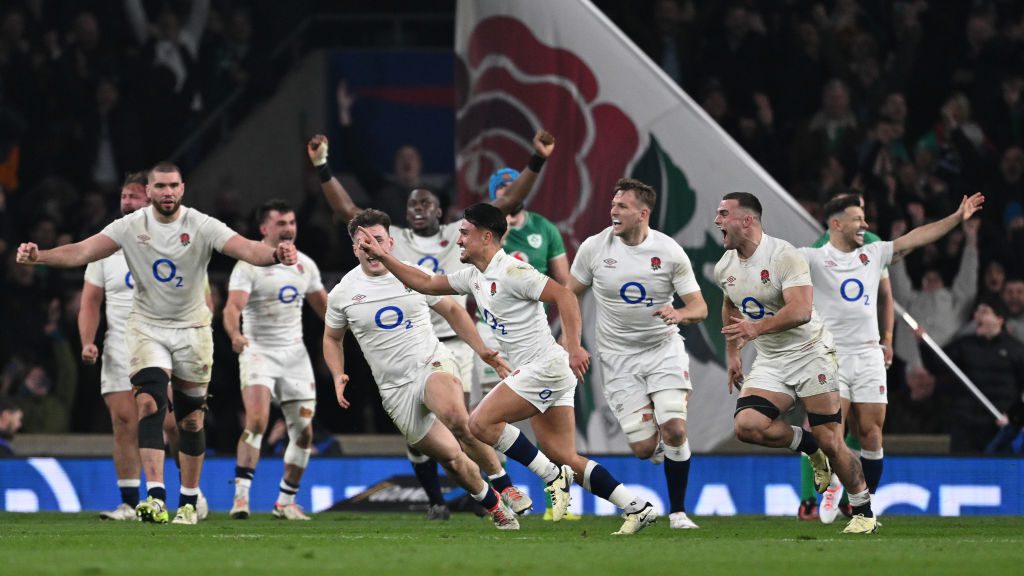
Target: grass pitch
{"x": 370, "y": 544}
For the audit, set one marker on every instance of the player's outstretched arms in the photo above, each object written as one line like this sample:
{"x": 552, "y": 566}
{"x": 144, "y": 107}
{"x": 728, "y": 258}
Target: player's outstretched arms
{"x": 418, "y": 280}
{"x": 924, "y": 235}
{"x": 519, "y": 189}
{"x": 572, "y": 325}
{"x": 337, "y": 197}
{"x": 260, "y": 254}
{"x": 694, "y": 311}
{"x": 93, "y": 248}
{"x": 459, "y": 320}
{"x": 89, "y": 321}
{"x": 334, "y": 357}
{"x": 237, "y": 299}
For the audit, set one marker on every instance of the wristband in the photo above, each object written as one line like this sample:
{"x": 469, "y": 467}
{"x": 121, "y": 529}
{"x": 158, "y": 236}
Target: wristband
{"x": 324, "y": 171}
{"x": 536, "y": 162}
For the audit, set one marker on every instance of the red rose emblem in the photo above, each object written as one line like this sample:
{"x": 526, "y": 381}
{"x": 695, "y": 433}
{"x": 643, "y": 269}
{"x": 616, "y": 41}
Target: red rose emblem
{"x": 822, "y": 379}
{"x": 864, "y": 259}
{"x": 655, "y": 263}
{"x": 509, "y": 86}
{"x": 765, "y": 278}
{"x": 494, "y": 288}
{"x": 185, "y": 240}
{"x": 444, "y": 243}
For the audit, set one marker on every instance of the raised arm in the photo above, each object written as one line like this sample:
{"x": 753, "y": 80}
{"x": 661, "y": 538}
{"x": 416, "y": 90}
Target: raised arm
{"x": 89, "y": 320}
{"x": 572, "y": 324}
{"x": 459, "y": 320}
{"x": 93, "y": 248}
{"x": 334, "y": 357}
{"x": 924, "y": 235}
{"x": 237, "y": 299}
{"x": 337, "y": 197}
{"x": 519, "y": 189}
{"x": 418, "y": 280}
{"x": 260, "y": 254}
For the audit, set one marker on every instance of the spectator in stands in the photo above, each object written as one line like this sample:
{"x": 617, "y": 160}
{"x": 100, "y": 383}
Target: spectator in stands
{"x": 940, "y": 310}
{"x": 47, "y": 380}
{"x": 833, "y": 132}
{"x": 10, "y": 423}
{"x": 994, "y": 361}
{"x": 1013, "y": 299}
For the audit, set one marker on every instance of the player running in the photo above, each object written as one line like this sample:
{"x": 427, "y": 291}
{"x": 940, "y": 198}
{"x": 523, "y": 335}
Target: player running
{"x": 413, "y": 370}
{"x": 541, "y": 388}
{"x": 769, "y": 300}
{"x": 167, "y": 247}
{"x": 634, "y": 272}
{"x": 272, "y": 359}
{"x": 846, "y": 273}
{"x": 431, "y": 244}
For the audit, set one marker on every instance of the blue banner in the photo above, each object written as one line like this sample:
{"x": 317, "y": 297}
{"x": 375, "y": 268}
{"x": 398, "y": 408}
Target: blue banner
{"x": 719, "y": 485}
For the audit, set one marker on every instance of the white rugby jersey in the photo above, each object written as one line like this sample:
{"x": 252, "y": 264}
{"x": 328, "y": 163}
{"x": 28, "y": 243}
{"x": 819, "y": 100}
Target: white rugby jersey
{"x": 273, "y": 314}
{"x": 168, "y": 263}
{"x": 390, "y": 322}
{"x": 755, "y": 287}
{"x": 507, "y": 295}
{"x": 438, "y": 253}
{"x": 846, "y": 289}
{"x": 630, "y": 283}
{"x": 112, "y": 274}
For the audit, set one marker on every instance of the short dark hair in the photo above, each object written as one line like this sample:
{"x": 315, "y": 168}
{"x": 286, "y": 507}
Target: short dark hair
{"x": 643, "y": 192}
{"x": 488, "y": 217}
{"x": 997, "y": 305}
{"x": 269, "y": 206}
{"x": 745, "y": 200}
{"x": 840, "y": 203}
{"x": 135, "y": 178}
{"x": 367, "y": 218}
{"x": 164, "y": 166}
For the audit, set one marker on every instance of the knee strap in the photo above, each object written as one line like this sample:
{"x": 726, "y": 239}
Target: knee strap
{"x": 759, "y": 403}
{"x": 185, "y": 404}
{"x": 192, "y": 442}
{"x": 298, "y": 415}
{"x": 152, "y": 381}
{"x": 820, "y": 419}
{"x": 639, "y": 425}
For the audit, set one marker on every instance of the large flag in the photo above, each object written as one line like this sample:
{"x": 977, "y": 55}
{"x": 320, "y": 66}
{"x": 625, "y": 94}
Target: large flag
{"x": 565, "y": 67}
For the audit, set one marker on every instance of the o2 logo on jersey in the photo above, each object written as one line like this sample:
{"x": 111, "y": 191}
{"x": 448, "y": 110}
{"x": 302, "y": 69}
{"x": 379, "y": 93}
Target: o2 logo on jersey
{"x": 288, "y": 294}
{"x": 432, "y": 263}
{"x": 854, "y": 294}
{"x": 128, "y": 280}
{"x": 754, "y": 313}
{"x": 394, "y": 318}
{"x": 164, "y": 270}
{"x": 545, "y": 394}
{"x": 492, "y": 321}
{"x": 635, "y": 293}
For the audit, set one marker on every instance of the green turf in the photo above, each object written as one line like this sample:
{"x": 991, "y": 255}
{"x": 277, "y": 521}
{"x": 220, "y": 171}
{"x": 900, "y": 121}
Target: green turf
{"x": 349, "y": 544}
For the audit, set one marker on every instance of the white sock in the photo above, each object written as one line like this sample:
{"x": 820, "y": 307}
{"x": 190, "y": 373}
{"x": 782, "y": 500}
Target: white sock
{"x": 545, "y": 468}
{"x": 151, "y": 485}
{"x": 860, "y": 498}
{"x": 129, "y": 483}
{"x": 497, "y": 475}
{"x": 798, "y": 435}
{"x": 678, "y": 453}
{"x": 186, "y": 491}
{"x": 287, "y": 493}
{"x": 871, "y": 454}
{"x": 624, "y": 498}
{"x": 479, "y": 497}
{"x": 242, "y": 487}
{"x": 586, "y": 474}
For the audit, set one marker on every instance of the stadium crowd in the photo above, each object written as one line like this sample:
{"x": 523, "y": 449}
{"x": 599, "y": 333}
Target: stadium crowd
{"x": 914, "y": 104}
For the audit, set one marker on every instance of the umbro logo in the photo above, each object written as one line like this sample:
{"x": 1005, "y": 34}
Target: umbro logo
{"x": 610, "y": 262}
{"x": 730, "y": 281}
{"x": 830, "y": 264}
{"x": 359, "y": 297}
{"x": 143, "y": 238}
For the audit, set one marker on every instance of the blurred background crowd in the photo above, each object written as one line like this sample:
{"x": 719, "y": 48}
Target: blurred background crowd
{"x": 912, "y": 103}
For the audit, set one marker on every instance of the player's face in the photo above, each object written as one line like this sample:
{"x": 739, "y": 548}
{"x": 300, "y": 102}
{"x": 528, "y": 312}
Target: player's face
{"x": 371, "y": 266}
{"x": 931, "y": 281}
{"x": 279, "y": 226}
{"x": 422, "y": 211}
{"x": 627, "y": 213}
{"x": 1013, "y": 296}
{"x": 988, "y": 323}
{"x": 472, "y": 241}
{"x": 731, "y": 219}
{"x": 852, "y": 225}
{"x": 133, "y": 197}
{"x": 165, "y": 190}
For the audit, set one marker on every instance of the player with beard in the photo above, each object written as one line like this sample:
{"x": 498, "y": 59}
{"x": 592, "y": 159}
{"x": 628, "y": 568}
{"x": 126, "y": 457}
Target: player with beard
{"x": 429, "y": 243}
{"x": 769, "y": 300}
{"x": 543, "y": 385}
{"x": 846, "y": 273}
{"x": 272, "y": 359}
{"x": 167, "y": 247}
{"x": 108, "y": 280}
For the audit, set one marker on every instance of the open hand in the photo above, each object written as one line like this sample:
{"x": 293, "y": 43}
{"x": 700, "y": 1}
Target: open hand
{"x": 970, "y": 205}
{"x": 579, "y": 361}
{"x": 370, "y": 245}
{"x": 494, "y": 360}
{"x": 339, "y": 389}
{"x": 740, "y": 332}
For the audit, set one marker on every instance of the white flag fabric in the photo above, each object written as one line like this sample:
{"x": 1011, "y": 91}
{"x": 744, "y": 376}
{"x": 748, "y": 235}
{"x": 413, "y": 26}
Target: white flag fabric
{"x": 565, "y": 67}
